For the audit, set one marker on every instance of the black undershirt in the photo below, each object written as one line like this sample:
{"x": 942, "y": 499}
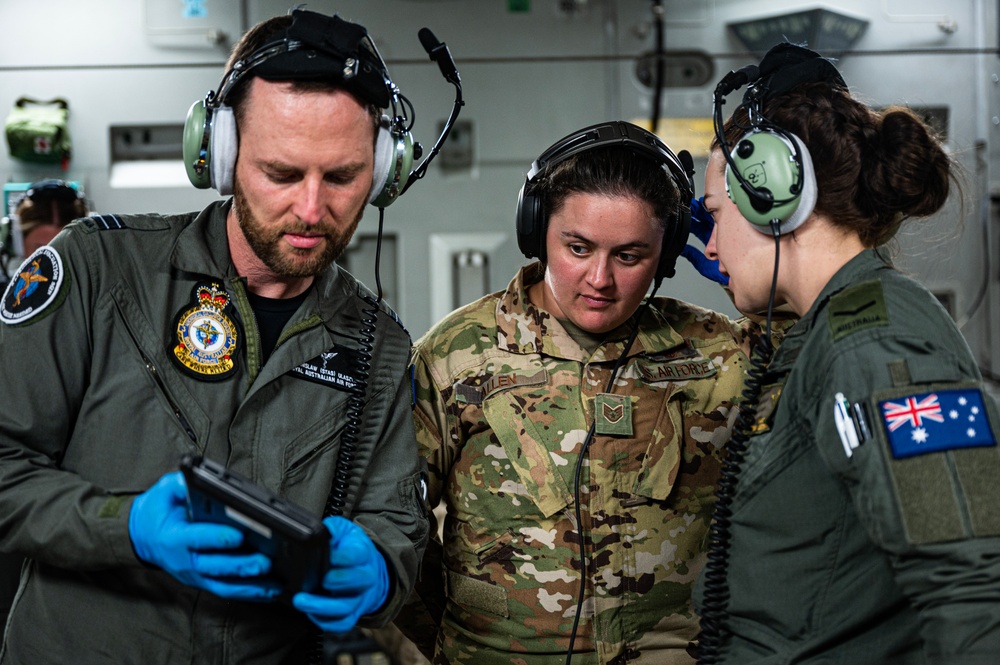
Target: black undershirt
{"x": 272, "y": 314}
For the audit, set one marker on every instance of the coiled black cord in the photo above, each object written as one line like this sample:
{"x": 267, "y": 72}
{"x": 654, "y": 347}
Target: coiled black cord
{"x": 715, "y": 599}
{"x": 339, "y": 489}
{"x": 337, "y": 498}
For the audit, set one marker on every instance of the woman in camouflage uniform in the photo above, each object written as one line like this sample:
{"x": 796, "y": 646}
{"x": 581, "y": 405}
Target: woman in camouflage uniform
{"x": 511, "y": 388}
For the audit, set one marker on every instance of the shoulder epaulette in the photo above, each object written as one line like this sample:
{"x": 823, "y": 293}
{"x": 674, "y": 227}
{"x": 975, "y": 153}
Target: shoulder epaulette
{"x": 105, "y": 222}
{"x": 857, "y": 308}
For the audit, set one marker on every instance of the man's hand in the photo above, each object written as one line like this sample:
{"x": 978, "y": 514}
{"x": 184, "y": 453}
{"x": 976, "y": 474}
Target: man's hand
{"x": 356, "y": 584}
{"x": 194, "y": 552}
{"x": 701, "y": 227}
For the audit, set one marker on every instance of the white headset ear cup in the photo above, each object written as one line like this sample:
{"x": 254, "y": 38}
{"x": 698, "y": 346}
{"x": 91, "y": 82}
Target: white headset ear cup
{"x": 385, "y": 159}
{"x": 807, "y": 200}
{"x": 223, "y": 149}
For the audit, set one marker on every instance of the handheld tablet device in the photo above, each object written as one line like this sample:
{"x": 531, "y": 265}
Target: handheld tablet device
{"x": 296, "y": 541}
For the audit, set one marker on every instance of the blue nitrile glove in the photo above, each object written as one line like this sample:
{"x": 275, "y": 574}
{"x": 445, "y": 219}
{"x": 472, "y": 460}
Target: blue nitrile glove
{"x": 356, "y": 584}
{"x": 163, "y": 536}
{"x": 701, "y": 227}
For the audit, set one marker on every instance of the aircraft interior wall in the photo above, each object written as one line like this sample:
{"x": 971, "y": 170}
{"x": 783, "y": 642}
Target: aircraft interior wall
{"x": 531, "y": 72}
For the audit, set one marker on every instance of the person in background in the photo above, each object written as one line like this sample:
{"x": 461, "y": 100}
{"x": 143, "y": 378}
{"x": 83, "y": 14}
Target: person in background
{"x": 47, "y": 207}
{"x": 864, "y": 523}
{"x": 133, "y": 340}
{"x": 574, "y": 428}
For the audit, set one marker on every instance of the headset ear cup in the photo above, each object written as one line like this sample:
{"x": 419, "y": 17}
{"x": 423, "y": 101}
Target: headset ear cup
{"x": 807, "y": 199}
{"x": 530, "y": 224}
{"x": 194, "y": 138}
{"x": 675, "y": 236}
{"x": 393, "y": 163}
{"x": 224, "y": 146}
{"x": 770, "y": 163}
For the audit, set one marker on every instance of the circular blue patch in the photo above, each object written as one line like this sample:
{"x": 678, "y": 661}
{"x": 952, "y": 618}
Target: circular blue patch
{"x": 34, "y": 286}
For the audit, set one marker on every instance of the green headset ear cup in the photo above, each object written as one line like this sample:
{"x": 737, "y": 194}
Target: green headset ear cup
{"x": 393, "y": 163}
{"x": 196, "y": 160}
{"x": 767, "y": 161}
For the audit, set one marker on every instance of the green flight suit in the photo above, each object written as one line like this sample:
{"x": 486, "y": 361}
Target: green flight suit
{"x": 97, "y": 408}
{"x": 875, "y": 542}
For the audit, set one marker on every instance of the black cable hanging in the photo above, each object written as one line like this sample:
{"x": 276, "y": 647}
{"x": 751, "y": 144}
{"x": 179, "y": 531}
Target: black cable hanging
{"x": 715, "y": 598}
{"x": 661, "y": 54}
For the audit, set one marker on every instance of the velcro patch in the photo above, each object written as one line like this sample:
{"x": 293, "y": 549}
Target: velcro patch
{"x": 950, "y": 493}
{"x": 613, "y": 414}
{"x": 336, "y": 368}
{"x": 476, "y": 394}
{"x": 930, "y": 422}
{"x": 34, "y": 286}
{"x": 857, "y": 308}
{"x": 678, "y": 370}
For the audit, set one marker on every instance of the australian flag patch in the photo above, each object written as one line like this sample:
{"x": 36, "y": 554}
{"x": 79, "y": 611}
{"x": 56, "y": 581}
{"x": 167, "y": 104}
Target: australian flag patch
{"x": 936, "y": 421}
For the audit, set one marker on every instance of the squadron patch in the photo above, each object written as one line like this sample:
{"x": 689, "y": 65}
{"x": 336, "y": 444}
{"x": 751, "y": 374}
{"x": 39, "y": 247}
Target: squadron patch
{"x": 206, "y": 336}
{"x": 34, "y": 286}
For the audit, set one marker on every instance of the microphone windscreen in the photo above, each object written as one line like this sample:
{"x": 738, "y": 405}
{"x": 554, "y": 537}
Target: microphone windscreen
{"x": 428, "y": 40}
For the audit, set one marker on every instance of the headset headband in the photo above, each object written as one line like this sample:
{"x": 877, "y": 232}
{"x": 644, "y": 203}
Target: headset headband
{"x": 52, "y": 188}
{"x": 611, "y": 134}
{"x": 787, "y": 65}
{"x": 316, "y": 48}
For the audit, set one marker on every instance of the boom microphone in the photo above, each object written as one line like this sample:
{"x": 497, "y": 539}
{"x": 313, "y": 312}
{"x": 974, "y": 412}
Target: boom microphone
{"x": 736, "y": 79}
{"x": 440, "y": 54}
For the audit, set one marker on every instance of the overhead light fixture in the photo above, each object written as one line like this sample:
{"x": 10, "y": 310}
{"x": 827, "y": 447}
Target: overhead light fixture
{"x": 822, "y": 30}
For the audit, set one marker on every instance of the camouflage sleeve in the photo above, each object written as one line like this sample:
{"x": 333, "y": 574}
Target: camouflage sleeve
{"x": 748, "y": 329}
{"x": 421, "y": 616}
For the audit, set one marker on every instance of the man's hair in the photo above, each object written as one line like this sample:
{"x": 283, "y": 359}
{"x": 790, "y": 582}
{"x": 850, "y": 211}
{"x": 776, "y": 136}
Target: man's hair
{"x": 253, "y": 40}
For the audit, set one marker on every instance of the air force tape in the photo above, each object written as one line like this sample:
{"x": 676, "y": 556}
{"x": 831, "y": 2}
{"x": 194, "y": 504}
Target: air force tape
{"x": 34, "y": 287}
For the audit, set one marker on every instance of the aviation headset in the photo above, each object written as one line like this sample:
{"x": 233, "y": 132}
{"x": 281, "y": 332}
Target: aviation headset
{"x": 53, "y": 188}
{"x": 313, "y": 48}
{"x": 532, "y": 218}
{"x": 769, "y": 173}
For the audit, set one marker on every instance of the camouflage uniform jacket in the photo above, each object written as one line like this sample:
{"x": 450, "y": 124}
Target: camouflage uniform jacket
{"x": 503, "y": 401}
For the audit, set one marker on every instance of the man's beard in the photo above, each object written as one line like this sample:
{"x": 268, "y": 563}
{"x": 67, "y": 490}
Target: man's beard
{"x": 266, "y": 242}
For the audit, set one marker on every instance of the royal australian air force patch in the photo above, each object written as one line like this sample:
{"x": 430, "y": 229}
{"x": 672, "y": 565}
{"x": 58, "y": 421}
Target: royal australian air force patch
{"x": 34, "y": 288}
{"x": 337, "y": 368}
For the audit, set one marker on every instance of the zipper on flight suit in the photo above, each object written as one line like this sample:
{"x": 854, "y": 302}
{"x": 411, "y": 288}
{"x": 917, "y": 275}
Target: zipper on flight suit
{"x": 155, "y": 375}
{"x": 250, "y": 328}
{"x": 153, "y": 372}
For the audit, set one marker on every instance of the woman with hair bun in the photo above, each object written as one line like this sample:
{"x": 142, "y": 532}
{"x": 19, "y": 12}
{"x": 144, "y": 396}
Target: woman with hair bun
{"x": 858, "y": 520}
